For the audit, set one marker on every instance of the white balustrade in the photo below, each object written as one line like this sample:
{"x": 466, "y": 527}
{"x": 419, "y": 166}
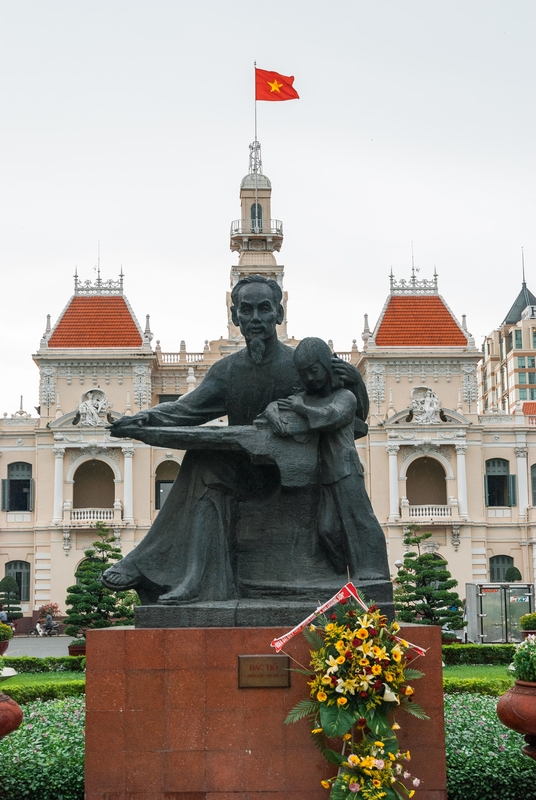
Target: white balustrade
{"x": 92, "y": 514}
{"x": 420, "y": 512}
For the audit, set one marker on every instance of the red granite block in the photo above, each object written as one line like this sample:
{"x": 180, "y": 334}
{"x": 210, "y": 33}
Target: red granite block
{"x": 304, "y": 770}
{"x": 104, "y": 731}
{"x": 184, "y": 731}
{"x": 225, "y": 730}
{"x": 185, "y": 648}
{"x": 104, "y": 772}
{"x": 144, "y": 689}
{"x": 264, "y": 729}
{"x": 144, "y": 769}
{"x": 144, "y": 796}
{"x": 105, "y": 649}
{"x": 184, "y": 689}
{"x": 186, "y": 796}
{"x": 321, "y": 794}
{"x": 106, "y": 796}
{"x": 221, "y": 648}
{"x": 225, "y": 772}
{"x": 144, "y": 730}
{"x": 144, "y": 648}
{"x": 264, "y": 770}
{"x": 222, "y": 690}
{"x": 256, "y": 698}
{"x": 105, "y": 691}
{"x": 184, "y": 771}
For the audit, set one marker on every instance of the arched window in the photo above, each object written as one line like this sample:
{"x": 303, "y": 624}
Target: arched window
{"x": 425, "y": 483}
{"x": 499, "y": 485}
{"x": 256, "y": 217}
{"x": 93, "y": 485}
{"x": 20, "y": 570}
{"x": 498, "y": 566}
{"x": 166, "y": 472}
{"x": 17, "y": 489}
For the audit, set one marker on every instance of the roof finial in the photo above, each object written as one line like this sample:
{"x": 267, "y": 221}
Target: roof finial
{"x": 98, "y": 281}
{"x": 75, "y": 279}
{"x": 523, "y": 265}
{"x": 412, "y": 265}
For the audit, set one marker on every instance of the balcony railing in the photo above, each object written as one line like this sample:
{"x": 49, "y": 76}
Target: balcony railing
{"x": 185, "y": 358}
{"x": 92, "y": 514}
{"x": 429, "y": 512}
{"x": 264, "y": 226}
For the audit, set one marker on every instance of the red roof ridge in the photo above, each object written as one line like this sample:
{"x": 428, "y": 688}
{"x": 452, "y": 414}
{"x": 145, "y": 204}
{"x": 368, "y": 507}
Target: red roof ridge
{"x": 96, "y": 321}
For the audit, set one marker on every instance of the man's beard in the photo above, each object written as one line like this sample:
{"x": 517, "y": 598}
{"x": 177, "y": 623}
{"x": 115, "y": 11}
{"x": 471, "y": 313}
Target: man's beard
{"x": 256, "y": 348}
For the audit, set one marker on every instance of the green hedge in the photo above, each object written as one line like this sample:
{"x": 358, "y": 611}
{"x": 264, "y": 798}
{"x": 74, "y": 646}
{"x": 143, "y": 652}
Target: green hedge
{"x": 44, "y": 691}
{"x": 493, "y": 687}
{"x": 50, "y": 664}
{"x": 478, "y": 653}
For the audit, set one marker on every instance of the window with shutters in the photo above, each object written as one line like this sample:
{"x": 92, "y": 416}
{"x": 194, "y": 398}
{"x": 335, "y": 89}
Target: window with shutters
{"x": 20, "y": 570}
{"x": 498, "y": 566}
{"x": 256, "y": 217}
{"x": 18, "y": 488}
{"x": 499, "y": 485}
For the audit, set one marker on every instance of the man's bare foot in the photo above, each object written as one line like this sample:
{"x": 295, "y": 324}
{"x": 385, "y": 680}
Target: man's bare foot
{"x": 117, "y": 578}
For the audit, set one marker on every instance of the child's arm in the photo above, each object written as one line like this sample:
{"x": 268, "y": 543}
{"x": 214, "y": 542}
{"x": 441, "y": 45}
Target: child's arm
{"x": 335, "y": 414}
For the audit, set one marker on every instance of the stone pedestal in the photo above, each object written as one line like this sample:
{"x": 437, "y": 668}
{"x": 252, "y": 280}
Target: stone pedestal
{"x": 167, "y": 721}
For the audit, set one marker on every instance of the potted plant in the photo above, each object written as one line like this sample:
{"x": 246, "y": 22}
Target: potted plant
{"x": 527, "y": 623}
{"x": 77, "y": 647}
{"x": 6, "y": 634}
{"x": 517, "y": 708}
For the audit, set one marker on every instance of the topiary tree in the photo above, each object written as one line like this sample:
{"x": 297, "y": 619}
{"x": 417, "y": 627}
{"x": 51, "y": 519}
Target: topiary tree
{"x": 423, "y": 593}
{"x": 10, "y": 597}
{"x": 89, "y": 603}
{"x": 512, "y": 574}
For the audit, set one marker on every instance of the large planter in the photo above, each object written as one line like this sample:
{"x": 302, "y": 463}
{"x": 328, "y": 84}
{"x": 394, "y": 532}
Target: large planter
{"x": 517, "y": 710}
{"x": 524, "y": 634}
{"x": 3, "y": 646}
{"x": 10, "y": 715}
{"x": 77, "y": 649}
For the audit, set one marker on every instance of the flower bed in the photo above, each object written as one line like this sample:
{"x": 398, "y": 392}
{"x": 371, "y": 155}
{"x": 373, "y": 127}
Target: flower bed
{"x": 44, "y": 758}
{"x": 484, "y": 759}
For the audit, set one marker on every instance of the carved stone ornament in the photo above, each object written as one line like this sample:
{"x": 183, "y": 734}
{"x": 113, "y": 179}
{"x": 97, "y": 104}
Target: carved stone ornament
{"x": 92, "y": 408}
{"x": 47, "y": 389}
{"x": 425, "y": 405}
{"x": 521, "y": 452}
{"x": 470, "y": 385}
{"x": 376, "y": 383}
{"x": 455, "y": 537}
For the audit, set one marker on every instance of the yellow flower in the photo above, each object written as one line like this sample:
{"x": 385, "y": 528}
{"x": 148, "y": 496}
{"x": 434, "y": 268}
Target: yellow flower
{"x": 379, "y": 744}
{"x": 347, "y": 736}
{"x": 353, "y": 759}
{"x": 340, "y": 645}
{"x": 397, "y": 655}
{"x": 396, "y": 627}
{"x": 395, "y": 726}
{"x": 389, "y": 677}
{"x": 333, "y": 664}
{"x": 391, "y": 756}
{"x": 312, "y": 627}
{"x": 363, "y": 662}
{"x": 367, "y": 762}
{"x": 376, "y": 783}
{"x": 342, "y": 701}
{"x": 409, "y": 691}
{"x": 365, "y": 648}
{"x": 329, "y": 628}
{"x": 326, "y": 679}
{"x": 376, "y": 669}
{"x": 340, "y": 659}
{"x": 411, "y": 793}
{"x": 316, "y": 730}
{"x": 362, "y": 633}
{"x": 403, "y": 643}
{"x": 321, "y": 696}
{"x": 325, "y": 784}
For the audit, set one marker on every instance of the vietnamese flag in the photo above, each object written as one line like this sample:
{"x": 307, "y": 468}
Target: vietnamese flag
{"x": 273, "y": 86}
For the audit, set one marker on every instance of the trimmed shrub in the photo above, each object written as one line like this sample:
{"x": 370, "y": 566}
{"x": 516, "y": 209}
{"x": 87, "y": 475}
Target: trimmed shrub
{"x": 493, "y": 687}
{"x": 43, "y": 691}
{"x": 484, "y": 759}
{"x": 44, "y": 758}
{"x": 478, "y": 653}
{"x": 50, "y": 664}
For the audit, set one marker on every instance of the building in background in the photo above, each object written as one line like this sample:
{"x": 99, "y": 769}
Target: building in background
{"x": 449, "y": 448}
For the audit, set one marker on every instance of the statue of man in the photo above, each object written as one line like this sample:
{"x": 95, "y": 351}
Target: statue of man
{"x": 189, "y": 552}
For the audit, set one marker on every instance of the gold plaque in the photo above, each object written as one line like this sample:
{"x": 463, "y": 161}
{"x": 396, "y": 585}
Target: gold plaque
{"x": 263, "y": 672}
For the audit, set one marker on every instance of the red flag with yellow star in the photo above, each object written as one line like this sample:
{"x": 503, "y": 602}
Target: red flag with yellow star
{"x": 273, "y": 86}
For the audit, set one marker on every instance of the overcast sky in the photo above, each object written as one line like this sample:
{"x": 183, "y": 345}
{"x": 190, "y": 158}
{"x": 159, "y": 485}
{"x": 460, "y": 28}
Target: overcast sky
{"x": 128, "y": 122}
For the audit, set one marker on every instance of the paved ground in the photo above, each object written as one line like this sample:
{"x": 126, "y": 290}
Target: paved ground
{"x": 41, "y": 646}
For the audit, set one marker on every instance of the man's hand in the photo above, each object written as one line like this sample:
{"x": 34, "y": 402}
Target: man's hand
{"x": 292, "y": 403}
{"x": 275, "y": 423}
{"x": 127, "y": 427}
{"x": 346, "y": 372}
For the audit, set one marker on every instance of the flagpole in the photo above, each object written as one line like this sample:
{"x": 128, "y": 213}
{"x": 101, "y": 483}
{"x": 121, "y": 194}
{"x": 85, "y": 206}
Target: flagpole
{"x": 255, "y": 145}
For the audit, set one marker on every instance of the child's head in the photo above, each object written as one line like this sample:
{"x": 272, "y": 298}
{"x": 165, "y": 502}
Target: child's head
{"x": 312, "y": 359}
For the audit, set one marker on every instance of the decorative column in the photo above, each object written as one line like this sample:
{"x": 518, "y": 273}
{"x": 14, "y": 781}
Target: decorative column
{"x": 461, "y": 450}
{"x": 59, "y": 453}
{"x": 522, "y": 480}
{"x": 128, "y": 495}
{"x": 394, "y": 513}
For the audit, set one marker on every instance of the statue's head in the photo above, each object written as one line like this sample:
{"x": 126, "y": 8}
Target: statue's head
{"x": 256, "y": 307}
{"x": 313, "y": 361}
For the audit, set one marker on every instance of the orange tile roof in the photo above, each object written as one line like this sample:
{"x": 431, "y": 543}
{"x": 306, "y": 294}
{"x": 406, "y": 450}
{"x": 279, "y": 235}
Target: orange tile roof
{"x": 418, "y": 321}
{"x": 97, "y": 321}
{"x": 529, "y": 409}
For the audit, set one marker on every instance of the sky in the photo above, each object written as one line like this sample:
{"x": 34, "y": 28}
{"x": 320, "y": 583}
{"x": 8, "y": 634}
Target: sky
{"x": 127, "y": 123}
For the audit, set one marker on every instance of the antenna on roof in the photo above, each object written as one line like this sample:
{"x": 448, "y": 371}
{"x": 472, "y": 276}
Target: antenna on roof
{"x": 98, "y": 264}
{"x": 523, "y": 265}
